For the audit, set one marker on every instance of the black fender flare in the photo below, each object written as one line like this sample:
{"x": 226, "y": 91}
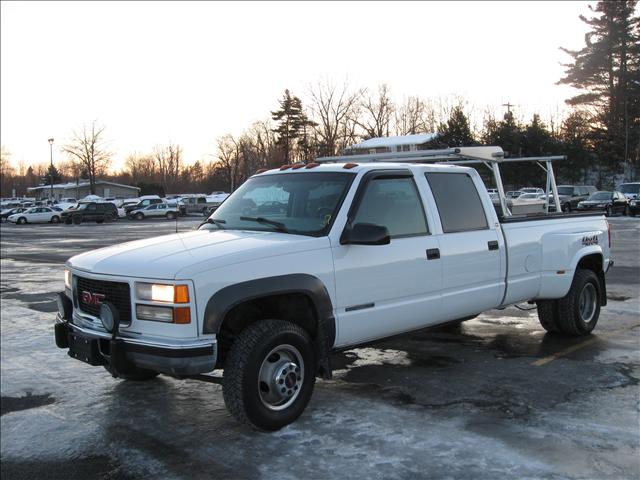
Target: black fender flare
{"x": 228, "y": 297}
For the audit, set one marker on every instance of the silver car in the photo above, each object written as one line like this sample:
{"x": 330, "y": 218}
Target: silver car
{"x": 155, "y": 210}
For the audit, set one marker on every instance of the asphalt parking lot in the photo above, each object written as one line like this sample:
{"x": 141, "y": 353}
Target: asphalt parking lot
{"x": 494, "y": 397}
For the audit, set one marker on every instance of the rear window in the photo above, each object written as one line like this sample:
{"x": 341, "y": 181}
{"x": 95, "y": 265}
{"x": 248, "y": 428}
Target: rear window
{"x": 458, "y": 202}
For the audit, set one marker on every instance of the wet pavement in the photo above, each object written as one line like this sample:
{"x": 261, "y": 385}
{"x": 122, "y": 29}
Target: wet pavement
{"x": 494, "y": 397}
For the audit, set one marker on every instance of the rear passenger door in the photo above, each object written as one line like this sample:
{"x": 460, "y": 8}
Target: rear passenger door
{"x": 383, "y": 290}
{"x": 471, "y": 249}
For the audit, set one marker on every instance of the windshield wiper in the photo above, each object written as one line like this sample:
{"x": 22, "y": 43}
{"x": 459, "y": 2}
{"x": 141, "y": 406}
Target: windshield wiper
{"x": 214, "y": 221}
{"x": 279, "y": 225}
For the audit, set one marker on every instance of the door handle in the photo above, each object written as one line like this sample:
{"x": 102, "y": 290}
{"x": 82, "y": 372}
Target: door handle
{"x": 493, "y": 245}
{"x": 433, "y": 254}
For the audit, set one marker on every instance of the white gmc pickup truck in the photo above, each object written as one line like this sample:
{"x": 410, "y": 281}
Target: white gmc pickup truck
{"x": 308, "y": 258}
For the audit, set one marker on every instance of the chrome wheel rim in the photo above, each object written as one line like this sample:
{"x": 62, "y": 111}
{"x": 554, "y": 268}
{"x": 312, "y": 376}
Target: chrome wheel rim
{"x": 587, "y": 302}
{"x": 281, "y": 377}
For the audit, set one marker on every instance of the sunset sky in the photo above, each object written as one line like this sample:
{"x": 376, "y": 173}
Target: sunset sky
{"x": 154, "y": 72}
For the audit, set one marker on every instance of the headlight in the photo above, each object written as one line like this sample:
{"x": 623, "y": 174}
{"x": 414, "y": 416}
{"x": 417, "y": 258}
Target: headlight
{"x": 162, "y": 293}
{"x": 67, "y": 279}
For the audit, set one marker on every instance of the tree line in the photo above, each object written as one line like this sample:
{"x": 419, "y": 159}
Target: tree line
{"x": 600, "y": 133}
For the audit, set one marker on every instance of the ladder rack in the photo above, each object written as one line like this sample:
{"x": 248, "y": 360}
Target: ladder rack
{"x": 491, "y": 157}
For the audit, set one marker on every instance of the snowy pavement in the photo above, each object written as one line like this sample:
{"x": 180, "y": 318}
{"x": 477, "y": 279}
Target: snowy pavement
{"x": 494, "y": 397}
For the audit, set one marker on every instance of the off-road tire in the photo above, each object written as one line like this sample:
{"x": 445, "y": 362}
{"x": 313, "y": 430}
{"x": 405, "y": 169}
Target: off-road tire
{"x": 570, "y": 320}
{"x": 548, "y": 315}
{"x": 242, "y": 367}
{"x": 140, "y": 375}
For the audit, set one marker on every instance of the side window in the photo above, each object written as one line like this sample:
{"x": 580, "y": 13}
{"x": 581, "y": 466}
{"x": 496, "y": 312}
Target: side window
{"x": 152, "y": 207}
{"x": 202, "y": 200}
{"x": 392, "y": 202}
{"x": 91, "y": 207}
{"x": 458, "y": 202}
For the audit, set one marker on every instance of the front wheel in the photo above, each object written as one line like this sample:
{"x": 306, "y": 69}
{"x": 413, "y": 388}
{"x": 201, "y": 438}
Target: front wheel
{"x": 626, "y": 211}
{"x": 269, "y": 374}
{"x": 608, "y": 212}
{"x": 21, "y": 221}
{"x": 566, "y": 208}
{"x": 170, "y": 215}
{"x": 55, "y": 219}
{"x": 139, "y": 216}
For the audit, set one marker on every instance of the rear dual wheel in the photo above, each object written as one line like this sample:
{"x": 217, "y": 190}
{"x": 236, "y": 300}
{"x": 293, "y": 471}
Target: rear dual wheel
{"x": 576, "y": 313}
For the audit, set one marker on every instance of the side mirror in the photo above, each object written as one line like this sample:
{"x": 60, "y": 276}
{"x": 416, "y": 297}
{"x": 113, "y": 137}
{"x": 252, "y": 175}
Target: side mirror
{"x": 365, "y": 234}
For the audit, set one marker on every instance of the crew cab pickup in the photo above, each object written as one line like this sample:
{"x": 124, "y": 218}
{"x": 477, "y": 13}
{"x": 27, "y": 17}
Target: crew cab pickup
{"x": 305, "y": 259}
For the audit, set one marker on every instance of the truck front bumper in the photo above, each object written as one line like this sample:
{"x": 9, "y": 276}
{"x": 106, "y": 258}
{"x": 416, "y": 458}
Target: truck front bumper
{"x": 126, "y": 354}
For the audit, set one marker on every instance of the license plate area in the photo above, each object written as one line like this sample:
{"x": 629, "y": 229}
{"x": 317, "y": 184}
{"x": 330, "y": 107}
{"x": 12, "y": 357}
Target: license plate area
{"x": 85, "y": 349}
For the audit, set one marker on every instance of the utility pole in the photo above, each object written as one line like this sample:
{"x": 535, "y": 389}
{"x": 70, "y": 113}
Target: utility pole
{"x": 508, "y": 105}
{"x": 51, "y": 169}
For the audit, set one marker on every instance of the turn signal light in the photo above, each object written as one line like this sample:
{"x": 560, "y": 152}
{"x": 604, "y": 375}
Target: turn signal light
{"x": 181, "y": 315}
{"x": 181, "y": 294}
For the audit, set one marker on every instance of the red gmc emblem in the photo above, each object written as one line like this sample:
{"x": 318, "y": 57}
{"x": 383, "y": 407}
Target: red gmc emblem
{"x": 89, "y": 298}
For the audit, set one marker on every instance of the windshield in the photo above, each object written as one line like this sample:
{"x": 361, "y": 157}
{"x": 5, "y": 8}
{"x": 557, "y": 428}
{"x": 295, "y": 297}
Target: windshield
{"x": 629, "y": 188}
{"x": 601, "y": 196}
{"x": 565, "y": 191}
{"x": 302, "y": 203}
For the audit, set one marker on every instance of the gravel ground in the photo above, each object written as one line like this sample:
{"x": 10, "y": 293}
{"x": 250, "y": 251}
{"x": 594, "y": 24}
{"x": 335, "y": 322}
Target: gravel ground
{"x": 494, "y": 397}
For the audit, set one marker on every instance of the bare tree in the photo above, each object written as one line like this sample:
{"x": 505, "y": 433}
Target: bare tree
{"x": 88, "y": 148}
{"x": 415, "y": 116}
{"x": 229, "y": 161}
{"x": 375, "y": 117}
{"x": 141, "y": 167}
{"x": 333, "y": 110}
{"x": 168, "y": 159}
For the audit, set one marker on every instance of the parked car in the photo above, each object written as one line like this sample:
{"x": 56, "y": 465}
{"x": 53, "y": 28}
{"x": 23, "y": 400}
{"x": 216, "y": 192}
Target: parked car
{"x": 144, "y": 202}
{"x": 513, "y": 193}
{"x": 630, "y": 190}
{"x": 35, "y": 215}
{"x": 634, "y": 206}
{"x": 571, "y": 195}
{"x": 11, "y": 211}
{"x": 531, "y": 190}
{"x": 98, "y": 212}
{"x": 154, "y": 211}
{"x": 608, "y": 202}
{"x": 353, "y": 259}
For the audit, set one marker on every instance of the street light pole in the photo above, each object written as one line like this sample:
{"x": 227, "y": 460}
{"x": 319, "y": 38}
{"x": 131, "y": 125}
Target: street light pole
{"x": 51, "y": 169}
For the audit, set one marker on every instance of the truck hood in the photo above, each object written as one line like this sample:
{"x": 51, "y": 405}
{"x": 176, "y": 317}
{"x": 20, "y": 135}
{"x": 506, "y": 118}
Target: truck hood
{"x": 180, "y": 255}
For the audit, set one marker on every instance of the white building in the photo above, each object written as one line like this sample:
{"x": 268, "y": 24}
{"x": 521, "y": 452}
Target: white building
{"x": 82, "y": 188}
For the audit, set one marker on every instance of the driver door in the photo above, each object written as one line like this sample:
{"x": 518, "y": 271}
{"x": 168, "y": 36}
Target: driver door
{"x": 383, "y": 290}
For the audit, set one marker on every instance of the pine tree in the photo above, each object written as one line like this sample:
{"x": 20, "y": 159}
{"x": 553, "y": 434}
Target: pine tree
{"x": 456, "y": 132}
{"x": 607, "y": 73}
{"x": 292, "y": 121}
